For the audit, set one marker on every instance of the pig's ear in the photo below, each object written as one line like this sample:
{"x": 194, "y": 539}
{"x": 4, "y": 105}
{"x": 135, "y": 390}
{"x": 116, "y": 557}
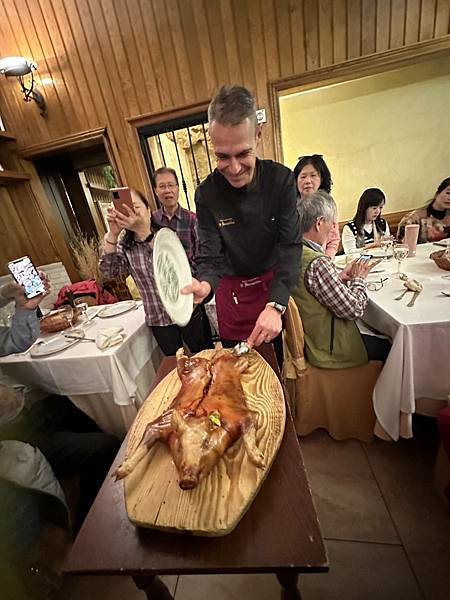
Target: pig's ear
{"x": 178, "y": 423}
{"x": 242, "y": 364}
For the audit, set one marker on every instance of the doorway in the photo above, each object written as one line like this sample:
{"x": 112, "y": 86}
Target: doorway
{"x": 182, "y": 144}
{"x": 78, "y": 182}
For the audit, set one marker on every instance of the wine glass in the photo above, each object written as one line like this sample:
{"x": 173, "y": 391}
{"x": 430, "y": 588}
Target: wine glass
{"x": 69, "y": 315}
{"x": 387, "y": 245}
{"x": 82, "y": 306}
{"x": 400, "y": 253}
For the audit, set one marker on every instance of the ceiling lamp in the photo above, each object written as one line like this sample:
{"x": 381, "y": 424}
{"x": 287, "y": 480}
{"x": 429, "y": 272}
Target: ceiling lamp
{"x": 18, "y": 66}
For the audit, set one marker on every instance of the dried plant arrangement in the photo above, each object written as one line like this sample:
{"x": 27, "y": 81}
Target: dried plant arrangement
{"x": 86, "y": 252}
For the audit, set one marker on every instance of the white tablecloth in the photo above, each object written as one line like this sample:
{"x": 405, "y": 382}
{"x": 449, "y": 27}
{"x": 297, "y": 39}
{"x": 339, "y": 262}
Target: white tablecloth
{"x": 108, "y": 385}
{"x": 418, "y": 365}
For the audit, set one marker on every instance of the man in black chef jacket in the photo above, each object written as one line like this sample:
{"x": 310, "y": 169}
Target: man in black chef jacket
{"x": 250, "y": 243}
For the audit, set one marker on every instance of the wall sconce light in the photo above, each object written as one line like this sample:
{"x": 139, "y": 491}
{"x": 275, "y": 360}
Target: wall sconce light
{"x": 17, "y": 66}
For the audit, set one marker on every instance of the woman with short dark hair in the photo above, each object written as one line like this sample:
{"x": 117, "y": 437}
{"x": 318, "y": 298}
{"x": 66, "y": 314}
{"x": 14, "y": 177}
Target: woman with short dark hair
{"x": 312, "y": 174}
{"x": 367, "y": 227}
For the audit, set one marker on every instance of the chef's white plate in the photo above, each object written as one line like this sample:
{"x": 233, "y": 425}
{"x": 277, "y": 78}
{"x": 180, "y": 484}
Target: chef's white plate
{"x": 172, "y": 273}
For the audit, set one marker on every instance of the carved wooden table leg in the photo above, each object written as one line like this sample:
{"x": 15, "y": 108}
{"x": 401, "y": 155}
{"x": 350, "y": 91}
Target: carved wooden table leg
{"x": 154, "y": 588}
{"x": 288, "y": 581}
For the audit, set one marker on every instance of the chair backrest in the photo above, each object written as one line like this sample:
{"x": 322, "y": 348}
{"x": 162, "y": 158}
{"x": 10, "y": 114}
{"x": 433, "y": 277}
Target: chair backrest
{"x": 58, "y": 277}
{"x": 295, "y": 336}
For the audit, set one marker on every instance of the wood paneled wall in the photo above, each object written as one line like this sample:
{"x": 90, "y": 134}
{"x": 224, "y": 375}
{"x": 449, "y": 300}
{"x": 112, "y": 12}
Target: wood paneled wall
{"x": 112, "y": 60}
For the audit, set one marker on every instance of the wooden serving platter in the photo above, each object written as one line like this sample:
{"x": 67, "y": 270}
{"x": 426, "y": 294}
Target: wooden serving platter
{"x": 153, "y": 497}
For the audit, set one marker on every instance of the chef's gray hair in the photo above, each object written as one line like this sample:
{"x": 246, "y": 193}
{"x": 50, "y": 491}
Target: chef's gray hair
{"x": 232, "y": 105}
{"x": 319, "y": 204}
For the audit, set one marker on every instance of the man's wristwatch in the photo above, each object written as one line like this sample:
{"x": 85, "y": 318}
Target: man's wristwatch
{"x": 277, "y": 306}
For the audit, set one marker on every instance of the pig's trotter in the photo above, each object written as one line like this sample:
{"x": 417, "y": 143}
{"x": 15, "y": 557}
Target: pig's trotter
{"x": 249, "y": 437}
{"x": 130, "y": 463}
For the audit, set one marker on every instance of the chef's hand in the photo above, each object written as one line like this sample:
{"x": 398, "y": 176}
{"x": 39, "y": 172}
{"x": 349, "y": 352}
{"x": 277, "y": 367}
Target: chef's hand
{"x": 200, "y": 289}
{"x": 267, "y": 327}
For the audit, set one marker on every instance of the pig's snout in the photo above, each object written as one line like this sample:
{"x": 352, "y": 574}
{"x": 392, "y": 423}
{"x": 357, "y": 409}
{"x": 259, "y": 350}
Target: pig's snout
{"x": 188, "y": 480}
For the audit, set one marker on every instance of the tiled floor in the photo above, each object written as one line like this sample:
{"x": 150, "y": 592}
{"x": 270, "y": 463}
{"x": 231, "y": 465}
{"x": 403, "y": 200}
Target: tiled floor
{"x": 386, "y": 531}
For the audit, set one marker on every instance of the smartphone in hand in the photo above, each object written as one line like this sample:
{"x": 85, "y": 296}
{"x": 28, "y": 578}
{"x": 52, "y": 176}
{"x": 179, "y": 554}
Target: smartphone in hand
{"x": 26, "y": 275}
{"x": 121, "y": 197}
{"x": 366, "y": 257}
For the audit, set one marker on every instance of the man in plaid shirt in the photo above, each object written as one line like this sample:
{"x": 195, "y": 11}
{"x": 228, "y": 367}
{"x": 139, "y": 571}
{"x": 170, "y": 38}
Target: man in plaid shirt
{"x": 328, "y": 299}
{"x": 183, "y": 222}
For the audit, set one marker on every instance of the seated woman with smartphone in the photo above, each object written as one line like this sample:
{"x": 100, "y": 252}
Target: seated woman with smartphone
{"x": 128, "y": 250}
{"x": 367, "y": 227}
{"x": 434, "y": 218}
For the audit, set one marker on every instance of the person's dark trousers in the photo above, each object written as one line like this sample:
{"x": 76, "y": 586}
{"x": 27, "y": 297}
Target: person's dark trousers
{"x": 196, "y": 334}
{"x": 71, "y": 442}
{"x": 277, "y": 346}
{"x": 377, "y": 348}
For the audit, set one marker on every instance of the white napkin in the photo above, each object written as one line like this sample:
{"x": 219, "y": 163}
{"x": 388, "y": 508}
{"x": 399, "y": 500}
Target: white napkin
{"x": 109, "y": 337}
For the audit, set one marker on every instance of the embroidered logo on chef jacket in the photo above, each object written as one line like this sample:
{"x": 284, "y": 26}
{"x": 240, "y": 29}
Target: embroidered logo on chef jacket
{"x": 226, "y": 222}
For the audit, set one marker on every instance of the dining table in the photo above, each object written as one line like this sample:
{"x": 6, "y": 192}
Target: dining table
{"x": 416, "y": 375}
{"x": 107, "y": 384}
{"x": 280, "y": 532}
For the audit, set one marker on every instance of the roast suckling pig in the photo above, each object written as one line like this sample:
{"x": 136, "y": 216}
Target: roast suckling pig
{"x": 207, "y": 416}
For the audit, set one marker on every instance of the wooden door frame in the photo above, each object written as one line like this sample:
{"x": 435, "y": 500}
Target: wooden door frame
{"x": 348, "y": 70}
{"x": 74, "y": 142}
{"x": 153, "y": 118}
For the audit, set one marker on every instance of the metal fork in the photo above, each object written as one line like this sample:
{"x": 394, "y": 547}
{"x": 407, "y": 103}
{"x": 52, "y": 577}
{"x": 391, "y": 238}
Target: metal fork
{"x": 402, "y": 294}
{"x": 413, "y": 299}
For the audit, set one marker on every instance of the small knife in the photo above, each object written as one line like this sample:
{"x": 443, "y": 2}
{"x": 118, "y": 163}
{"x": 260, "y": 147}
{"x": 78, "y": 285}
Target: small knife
{"x": 78, "y": 337}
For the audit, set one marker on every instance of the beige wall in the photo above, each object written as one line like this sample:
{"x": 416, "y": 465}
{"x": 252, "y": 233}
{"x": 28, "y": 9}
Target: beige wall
{"x": 389, "y": 130}
{"x": 105, "y": 62}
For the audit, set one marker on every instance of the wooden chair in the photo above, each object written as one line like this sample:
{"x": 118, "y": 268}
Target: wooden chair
{"x": 338, "y": 400}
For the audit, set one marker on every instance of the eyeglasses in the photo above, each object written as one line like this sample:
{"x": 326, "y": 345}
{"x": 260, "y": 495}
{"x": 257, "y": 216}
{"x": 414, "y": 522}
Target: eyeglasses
{"x": 375, "y": 286}
{"x": 166, "y": 186}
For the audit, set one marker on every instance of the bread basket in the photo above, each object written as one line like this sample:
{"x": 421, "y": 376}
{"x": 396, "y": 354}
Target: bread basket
{"x": 60, "y": 319}
{"x": 442, "y": 259}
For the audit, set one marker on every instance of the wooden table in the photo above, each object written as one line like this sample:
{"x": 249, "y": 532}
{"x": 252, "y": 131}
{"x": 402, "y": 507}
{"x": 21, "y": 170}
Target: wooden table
{"x": 279, "y": 534}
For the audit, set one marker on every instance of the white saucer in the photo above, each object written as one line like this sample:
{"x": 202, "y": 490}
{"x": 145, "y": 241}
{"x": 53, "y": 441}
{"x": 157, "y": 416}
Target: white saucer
{"x": 172, "y": 273}
{"x": 112, "y": 310}
{"x": 52, "y": 346}
{"x": 379, "y": 253}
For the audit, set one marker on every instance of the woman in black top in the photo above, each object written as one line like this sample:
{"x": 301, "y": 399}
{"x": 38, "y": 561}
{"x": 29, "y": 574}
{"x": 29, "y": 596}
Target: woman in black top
{"x": 367, "y": 227}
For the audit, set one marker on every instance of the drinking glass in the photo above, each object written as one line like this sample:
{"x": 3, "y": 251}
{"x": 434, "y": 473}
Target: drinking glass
{"x": 387, "y": 245}
{"x": 69, "y": 315}
{"x": 400, "y": 253}
{"x": 82, "y": 306}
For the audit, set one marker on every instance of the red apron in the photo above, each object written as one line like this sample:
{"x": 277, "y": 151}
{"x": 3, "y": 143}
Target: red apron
{"x": 239, "y": 302}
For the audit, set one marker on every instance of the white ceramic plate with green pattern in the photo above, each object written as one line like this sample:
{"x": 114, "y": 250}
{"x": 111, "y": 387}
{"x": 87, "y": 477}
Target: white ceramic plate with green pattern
{"x": 172, "y": 273}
